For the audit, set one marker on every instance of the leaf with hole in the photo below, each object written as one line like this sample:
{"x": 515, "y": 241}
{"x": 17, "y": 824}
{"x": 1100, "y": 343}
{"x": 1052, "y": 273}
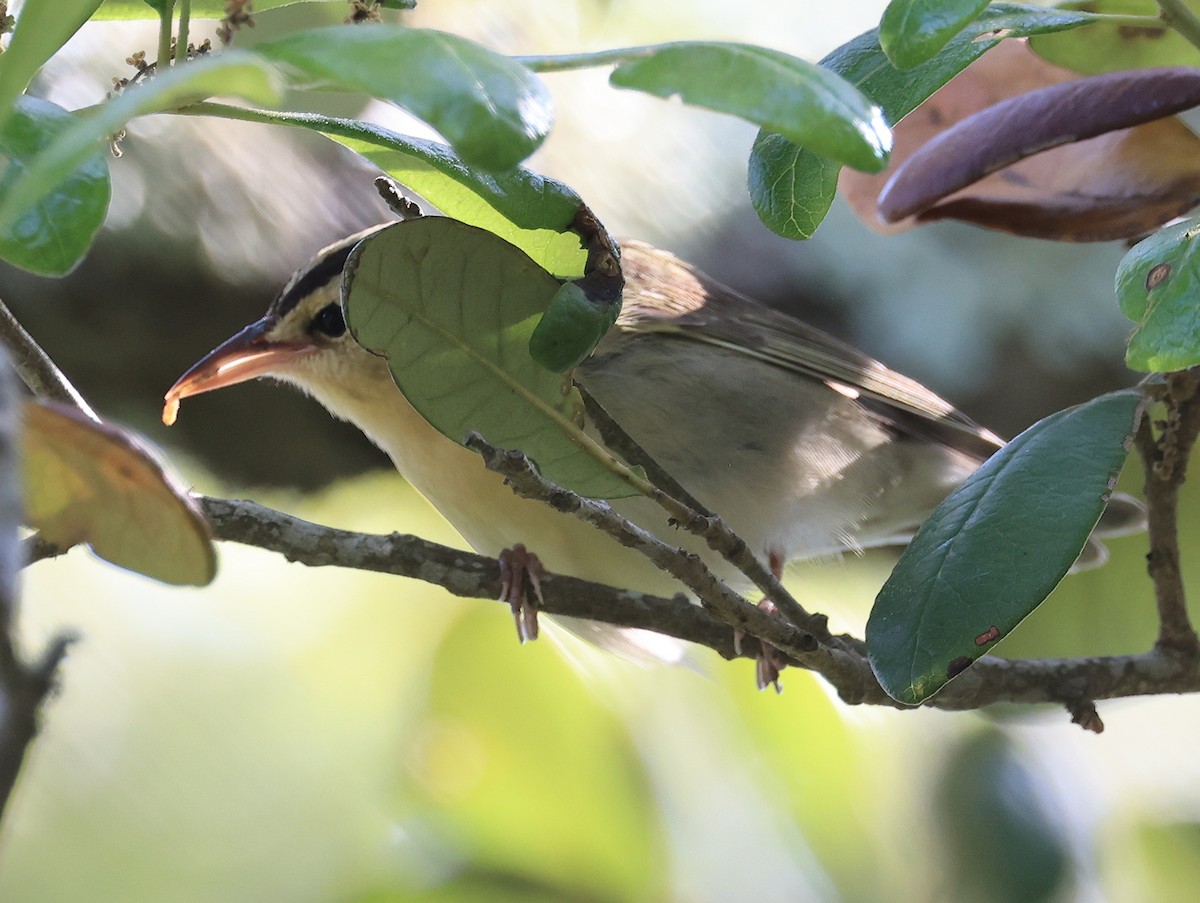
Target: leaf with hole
{"x": 97, "y": 483}
{"x": 493, "y": 110}
{"x": 452, "y": 308}
{"x": 1158, "y": 283}
{"x": 54, "y": 234}
{"x": 996, "y": 547}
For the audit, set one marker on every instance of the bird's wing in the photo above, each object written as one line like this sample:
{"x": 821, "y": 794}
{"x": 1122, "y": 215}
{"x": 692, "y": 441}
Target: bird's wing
{"x": 665, "y": 295}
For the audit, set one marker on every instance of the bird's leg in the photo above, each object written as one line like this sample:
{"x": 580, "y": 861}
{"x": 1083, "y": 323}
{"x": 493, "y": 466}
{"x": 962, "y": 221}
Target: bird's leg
{"x": 516, "y": 564}
{"x": 769, "y": 661}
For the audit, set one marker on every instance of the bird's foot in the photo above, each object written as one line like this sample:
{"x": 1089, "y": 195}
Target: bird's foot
{"x": 770, "y": 661}
{"x": 517, "y": 564}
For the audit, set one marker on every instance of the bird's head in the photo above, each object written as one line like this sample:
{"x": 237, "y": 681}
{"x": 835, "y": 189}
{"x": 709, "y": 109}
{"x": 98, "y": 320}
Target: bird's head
{"x": 302, "y": 339}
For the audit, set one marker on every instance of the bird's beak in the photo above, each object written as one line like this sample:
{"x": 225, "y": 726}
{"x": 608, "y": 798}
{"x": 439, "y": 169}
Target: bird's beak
{"x": 244, "y": 356}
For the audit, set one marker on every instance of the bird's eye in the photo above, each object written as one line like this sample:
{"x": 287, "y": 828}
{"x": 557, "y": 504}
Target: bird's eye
{"x": 329, "y": 320}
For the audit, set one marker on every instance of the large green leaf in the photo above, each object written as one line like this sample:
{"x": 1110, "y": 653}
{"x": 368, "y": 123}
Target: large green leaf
{"x": 494, "y": 111}
{"x": 993, "y": 550}
{"x": 1158, "y": 282}
{"x": 912, "y": 31}
{"x": 95, "y": 483}
{"x": 525, "y": 209}
{"x": 1109, "y": 46}
{"x": 211, "y": 9}
{"x": 810, "y": 105}
{"x": 452, "y": 308}
{"x": 54, "y": 234}
{"x": 44, "y": 26}
{"x": 233, "y": 73}
{"x": 791, "y": 180}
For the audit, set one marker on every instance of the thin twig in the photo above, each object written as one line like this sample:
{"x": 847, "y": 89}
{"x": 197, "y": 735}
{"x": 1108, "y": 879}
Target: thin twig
{"x": 1165, "y": 465}
{"x": 34, "y": 366}
{"x": 690, "y": 514}
{"x": 730, "y": 607}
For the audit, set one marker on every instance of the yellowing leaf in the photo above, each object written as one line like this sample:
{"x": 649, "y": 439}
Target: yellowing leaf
{"x": 96, "y": 483}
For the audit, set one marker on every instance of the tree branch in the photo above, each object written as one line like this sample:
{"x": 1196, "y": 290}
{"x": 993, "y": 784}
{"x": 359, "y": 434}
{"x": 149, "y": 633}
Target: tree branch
{"x": 694, "y": 517}
{"x": 23, "y": 687}
{"x": 1165, "y": 465}
{"x": 34, "y": 366}
{"x": 991, "y": 680}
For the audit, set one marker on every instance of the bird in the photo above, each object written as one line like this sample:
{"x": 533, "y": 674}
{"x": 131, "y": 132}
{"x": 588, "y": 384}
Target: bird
{"x": 807, "y": 447}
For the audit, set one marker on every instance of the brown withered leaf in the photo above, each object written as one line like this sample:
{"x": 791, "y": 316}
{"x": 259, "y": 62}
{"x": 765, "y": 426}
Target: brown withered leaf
{"x": 1119, "y": 184}
{"x": 97, "y": 483}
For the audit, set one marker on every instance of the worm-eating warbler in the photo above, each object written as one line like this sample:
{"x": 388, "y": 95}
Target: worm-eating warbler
{"x": 805, "y": 446}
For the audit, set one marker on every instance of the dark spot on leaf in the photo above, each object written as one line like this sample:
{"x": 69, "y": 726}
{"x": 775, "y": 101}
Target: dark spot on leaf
{"x": 1139, "y": 32}
{"x": 996, "y": 35}
{"x": 1157, "y": 275}
{"x": 987, "y": 636}
{"x": 958, "y": 666}
{"x": 1013, "y": 177}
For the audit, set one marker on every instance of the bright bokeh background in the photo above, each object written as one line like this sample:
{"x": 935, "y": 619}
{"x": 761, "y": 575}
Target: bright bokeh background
{"x": 319, "y": 735}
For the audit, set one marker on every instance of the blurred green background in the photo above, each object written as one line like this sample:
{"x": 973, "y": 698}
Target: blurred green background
{"x": 304, "y": 734}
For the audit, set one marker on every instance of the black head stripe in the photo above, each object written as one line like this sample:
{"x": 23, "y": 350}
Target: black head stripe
{"x": 325, "y": 269}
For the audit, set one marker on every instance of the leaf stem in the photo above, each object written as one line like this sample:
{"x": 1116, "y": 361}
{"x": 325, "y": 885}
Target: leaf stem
{"x": 164, "y": 35}
{"x": 569, "y": 61}
{"x": 1177, "y": 14}
{"x": 185, "y": 13}
{"x": 1130, "y": 19}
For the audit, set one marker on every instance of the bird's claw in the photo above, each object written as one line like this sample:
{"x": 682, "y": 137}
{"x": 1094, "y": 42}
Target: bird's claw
{"x": 517, "y": 564}
{"x": 770, "y": 661}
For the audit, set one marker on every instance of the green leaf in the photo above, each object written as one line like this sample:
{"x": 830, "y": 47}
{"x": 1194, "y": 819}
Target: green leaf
{"x": 494, "y": 111}
{"x": 1109, "y": 46}
{"x": 1158, "y": 283}
{"x": 997, "y": 546}
{"x": 44, "y": 26}
{"x": 572, "y": 327}
{"x": 790, "y": 186}
{"x": 913, "y": 31}
{"x": 452, "y": 308}
{"x": 997, "y": 827}
{"x": 96, "y": 483}
{"x": 210, "y": 9}
{"x": 810, "y": 105}
{"x": 233, "y": 72}
{"x": 55, "y": 233}
{"x": 525, "y": 209}
{"x": 801, "y": 181}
